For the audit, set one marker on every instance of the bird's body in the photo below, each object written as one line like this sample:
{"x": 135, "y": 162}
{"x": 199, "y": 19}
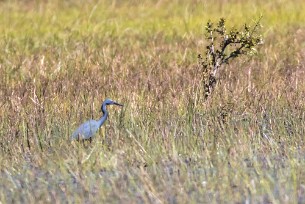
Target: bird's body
{"x": 88, "y": 129}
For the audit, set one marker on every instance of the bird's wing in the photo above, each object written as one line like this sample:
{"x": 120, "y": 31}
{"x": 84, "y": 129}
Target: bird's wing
{"x": 85, "y": 130}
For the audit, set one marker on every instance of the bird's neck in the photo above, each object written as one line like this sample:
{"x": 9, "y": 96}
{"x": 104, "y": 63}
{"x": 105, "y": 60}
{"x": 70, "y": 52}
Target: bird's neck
{"x": 104, "y": 117}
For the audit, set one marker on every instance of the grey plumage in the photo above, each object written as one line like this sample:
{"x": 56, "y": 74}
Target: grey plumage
{"x": 88, "y": 129}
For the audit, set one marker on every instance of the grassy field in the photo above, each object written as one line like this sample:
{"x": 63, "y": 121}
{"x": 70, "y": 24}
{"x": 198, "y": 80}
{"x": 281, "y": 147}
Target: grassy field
{"x": 60, "y": 59}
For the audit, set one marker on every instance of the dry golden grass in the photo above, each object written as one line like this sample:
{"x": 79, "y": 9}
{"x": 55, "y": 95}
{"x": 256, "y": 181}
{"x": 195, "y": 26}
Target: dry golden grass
{"x": 59, "y": 60}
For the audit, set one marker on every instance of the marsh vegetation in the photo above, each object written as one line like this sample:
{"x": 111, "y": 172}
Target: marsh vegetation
{"x": 169, "y": 144}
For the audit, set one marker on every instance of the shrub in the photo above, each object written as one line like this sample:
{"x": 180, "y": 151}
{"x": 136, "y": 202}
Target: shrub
{"x": 225, "y": 46}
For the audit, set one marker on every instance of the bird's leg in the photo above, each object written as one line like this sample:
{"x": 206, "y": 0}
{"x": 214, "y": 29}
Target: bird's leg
{"x": 90, "y": 140}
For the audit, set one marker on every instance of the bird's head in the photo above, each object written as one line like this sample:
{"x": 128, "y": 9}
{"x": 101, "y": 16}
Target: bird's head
{"x": 110, "y": 102}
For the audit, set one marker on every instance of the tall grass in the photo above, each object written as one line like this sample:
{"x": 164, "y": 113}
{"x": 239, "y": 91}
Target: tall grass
{"x": 60, "y": 59}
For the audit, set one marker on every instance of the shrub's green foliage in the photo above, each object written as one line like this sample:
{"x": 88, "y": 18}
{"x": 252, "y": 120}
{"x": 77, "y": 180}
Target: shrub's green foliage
{"x": 224, "y": 46}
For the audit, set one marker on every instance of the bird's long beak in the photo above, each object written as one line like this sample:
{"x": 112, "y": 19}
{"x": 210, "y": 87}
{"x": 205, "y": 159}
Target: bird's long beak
{"x": 115, "y": 103}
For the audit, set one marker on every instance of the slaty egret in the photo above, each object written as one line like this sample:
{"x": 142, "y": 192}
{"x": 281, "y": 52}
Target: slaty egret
{"x": 88, "y": 129}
